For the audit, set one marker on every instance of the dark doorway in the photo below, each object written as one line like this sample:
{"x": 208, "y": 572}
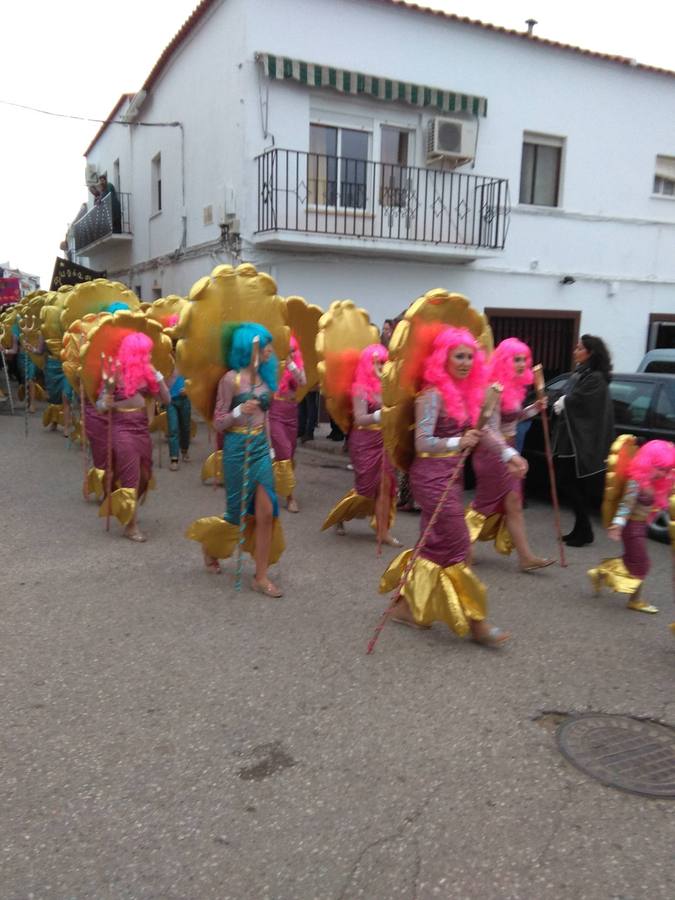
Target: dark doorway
{"x": 551, "y": 334}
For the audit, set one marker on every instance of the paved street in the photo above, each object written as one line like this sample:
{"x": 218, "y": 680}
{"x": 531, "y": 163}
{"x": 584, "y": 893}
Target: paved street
{"x": 165, "y": 737}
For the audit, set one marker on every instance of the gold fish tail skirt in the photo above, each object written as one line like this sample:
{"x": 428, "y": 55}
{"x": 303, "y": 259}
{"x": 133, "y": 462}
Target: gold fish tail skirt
{"x": 53, "y": 415}
{"x": 122, "y": 504}
{"x": 489, "y": 528}
{"x": 220, "y": 538}
{"x": 96, "y": 482}
{"x": 213, "y": 468}
{"x": 612, "y": 573}
{"x": 284, "y": 477}
{"x": 435, "y": 594}
{"x": 355, "y": 506}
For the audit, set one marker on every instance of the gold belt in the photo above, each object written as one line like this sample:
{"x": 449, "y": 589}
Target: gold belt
{"x": 447, "y": 454}
{"x": 368, "y": 427}
{"x": 285, "y": 399}
{"x": 240, "y": 429}
{"x": 129, "y": 409}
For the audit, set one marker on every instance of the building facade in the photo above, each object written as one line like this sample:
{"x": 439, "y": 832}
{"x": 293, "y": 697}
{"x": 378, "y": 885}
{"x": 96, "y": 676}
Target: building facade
{"x": 371, "y": 150}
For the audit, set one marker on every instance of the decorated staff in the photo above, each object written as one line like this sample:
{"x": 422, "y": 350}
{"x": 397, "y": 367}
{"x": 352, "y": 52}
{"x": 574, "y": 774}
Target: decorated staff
{"x": 351, "y": 372}
{"x": 255, "y": 362}
{"x": 538, "y": 374}
{"x": 433, "y": 390}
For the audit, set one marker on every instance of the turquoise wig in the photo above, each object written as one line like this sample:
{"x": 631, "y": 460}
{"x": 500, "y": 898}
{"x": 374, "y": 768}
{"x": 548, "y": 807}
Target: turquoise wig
{"x": 116, "y": 307}
{"x": 237, "y": 347}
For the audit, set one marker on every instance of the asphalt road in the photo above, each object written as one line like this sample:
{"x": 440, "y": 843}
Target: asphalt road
{"x": 165, "y": 737}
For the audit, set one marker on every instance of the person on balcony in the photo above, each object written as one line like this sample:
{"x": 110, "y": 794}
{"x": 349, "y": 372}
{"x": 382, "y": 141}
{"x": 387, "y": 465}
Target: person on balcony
{"x": 106, "y": 189}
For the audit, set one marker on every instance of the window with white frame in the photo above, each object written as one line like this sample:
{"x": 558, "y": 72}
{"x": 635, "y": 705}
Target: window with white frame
{"x": 337, "y": 166}
{"x": 395, "y": 153}
{"x": 664, "y": 176}
{"x": 156, "y": 183}
{"x": 541, "y": 169}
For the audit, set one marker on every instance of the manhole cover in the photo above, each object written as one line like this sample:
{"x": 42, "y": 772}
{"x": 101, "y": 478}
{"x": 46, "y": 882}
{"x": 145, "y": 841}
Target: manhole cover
{"x": 622, "y": 752}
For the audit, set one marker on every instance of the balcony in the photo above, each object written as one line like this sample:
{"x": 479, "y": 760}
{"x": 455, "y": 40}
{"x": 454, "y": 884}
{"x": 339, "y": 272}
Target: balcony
{"x": 331, "y": 199}
{"x": 107, "y": 221}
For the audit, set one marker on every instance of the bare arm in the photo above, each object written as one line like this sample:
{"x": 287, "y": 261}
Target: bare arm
{"x": 361, "y": 415}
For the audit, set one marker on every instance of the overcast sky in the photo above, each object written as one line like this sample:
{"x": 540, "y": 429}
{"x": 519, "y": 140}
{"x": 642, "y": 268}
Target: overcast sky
{"x": 78, "y": 56}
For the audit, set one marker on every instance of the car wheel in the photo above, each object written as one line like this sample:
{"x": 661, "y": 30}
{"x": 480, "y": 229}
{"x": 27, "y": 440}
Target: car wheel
{"x": 658, "y": 529}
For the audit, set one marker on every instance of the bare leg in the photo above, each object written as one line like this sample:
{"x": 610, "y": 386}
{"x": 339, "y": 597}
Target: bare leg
{"x": 31, "y": 397}
{"x": 515, "y": 521}
{"x": 263, "y": 535}
{"x": 292, "y": 504}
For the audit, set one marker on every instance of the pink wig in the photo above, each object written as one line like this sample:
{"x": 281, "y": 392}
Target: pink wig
{"x": 136, "y": 370}
{"x": 462, "y": 397}
{"x": 296, "y": 355}
{"x": 501, "y": 368}
{"x": 643, "y": 467}
{"x": 366, "y": 383}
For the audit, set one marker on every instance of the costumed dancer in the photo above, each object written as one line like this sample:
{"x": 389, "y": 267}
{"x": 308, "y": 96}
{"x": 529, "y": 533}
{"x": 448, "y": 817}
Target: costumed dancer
{"x": 135, "y": 380}
{"x": 241, "y": 413}
{"x": 639, "y": 484}
{"x": 26, "y": 369}
{"x": 584, "y": 431}
{"x": 178, "y": 420}
{"x": 449, "y": 383}
{"x": 374, "y": 475}
{"x": 496, "y": 513}
{"x": 283, "y": 418}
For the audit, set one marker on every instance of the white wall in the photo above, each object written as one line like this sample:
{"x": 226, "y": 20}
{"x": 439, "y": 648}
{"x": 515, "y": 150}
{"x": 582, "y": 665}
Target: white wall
{"x": 608, "y": 228}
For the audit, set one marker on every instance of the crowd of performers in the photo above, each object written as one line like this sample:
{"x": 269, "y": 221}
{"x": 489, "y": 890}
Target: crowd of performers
{"x": 459, "y": 401}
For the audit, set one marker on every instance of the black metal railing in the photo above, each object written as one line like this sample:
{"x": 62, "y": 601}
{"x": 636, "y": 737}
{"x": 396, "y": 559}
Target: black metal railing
{"x": 335, "y": 195}
{"x": 107, "y": 217}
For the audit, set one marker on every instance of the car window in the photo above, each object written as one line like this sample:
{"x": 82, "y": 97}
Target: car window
{"x": 664, "y": 413}
{"x": 666, "y": 366}
{"x": 632, "y": 400}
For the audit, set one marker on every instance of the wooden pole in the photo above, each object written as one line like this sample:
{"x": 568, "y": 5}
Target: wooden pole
{"x": 255, "y": 350}
{"x": 538, "y": 373}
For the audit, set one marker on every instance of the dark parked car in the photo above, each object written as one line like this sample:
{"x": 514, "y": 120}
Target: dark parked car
{"x": 644, "y": 405}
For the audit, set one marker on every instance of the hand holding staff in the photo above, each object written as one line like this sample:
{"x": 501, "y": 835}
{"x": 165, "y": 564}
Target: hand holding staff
{"x": 538, "y": 373}
{"x": 492, "y": 397}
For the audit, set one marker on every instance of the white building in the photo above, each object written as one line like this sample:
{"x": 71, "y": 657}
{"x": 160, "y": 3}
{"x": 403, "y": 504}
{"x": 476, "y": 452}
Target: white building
{"x": 373, "y": 150}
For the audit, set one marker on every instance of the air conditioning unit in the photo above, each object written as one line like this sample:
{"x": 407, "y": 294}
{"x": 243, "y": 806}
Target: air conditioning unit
{"x": 453, "y": 139}
{"x": 90, "y": 175}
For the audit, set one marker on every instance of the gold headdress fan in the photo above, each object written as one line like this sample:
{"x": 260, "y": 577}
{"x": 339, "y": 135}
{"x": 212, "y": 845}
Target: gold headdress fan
{"x": 168, "y": 312}
{"x": 228, "y": 295}
{"x": 74, "y": 340}
{"x": 436, "y": 308}
{"x": 95, "y": 297}
{"x": 619, "y": 459}
{"x": 303, "y": 319}
{"x": 344, "y": 331}
{"x": 105, "y": 337}
{"x": 50, "y": 319}
{"x": 29, "y": 321}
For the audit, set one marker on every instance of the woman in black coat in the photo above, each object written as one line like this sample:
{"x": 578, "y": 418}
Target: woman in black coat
{"x": 584, "y": 432}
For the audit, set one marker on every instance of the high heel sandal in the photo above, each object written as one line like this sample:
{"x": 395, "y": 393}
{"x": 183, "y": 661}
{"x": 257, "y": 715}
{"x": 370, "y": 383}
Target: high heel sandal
{"x": 493, "y": 637}
{"x": 212, "y": 565}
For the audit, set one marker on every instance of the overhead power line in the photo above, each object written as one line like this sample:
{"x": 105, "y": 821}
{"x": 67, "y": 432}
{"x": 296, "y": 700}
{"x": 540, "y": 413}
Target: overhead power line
{"x": 47, "y": 112}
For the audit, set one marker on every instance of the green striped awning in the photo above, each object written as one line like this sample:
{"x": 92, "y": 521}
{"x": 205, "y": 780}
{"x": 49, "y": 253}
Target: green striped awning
{"x": 282, "y": 68}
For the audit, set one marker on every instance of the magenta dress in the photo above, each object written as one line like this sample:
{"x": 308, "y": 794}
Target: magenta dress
{"x": 485, "y": 516}
{"x": 283, "y": 421}
{"x": 371, "y": 466}
{"x": 625, "y": 574}
{"x": 440, "y": 585}
{"x": 96, "y": 430}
